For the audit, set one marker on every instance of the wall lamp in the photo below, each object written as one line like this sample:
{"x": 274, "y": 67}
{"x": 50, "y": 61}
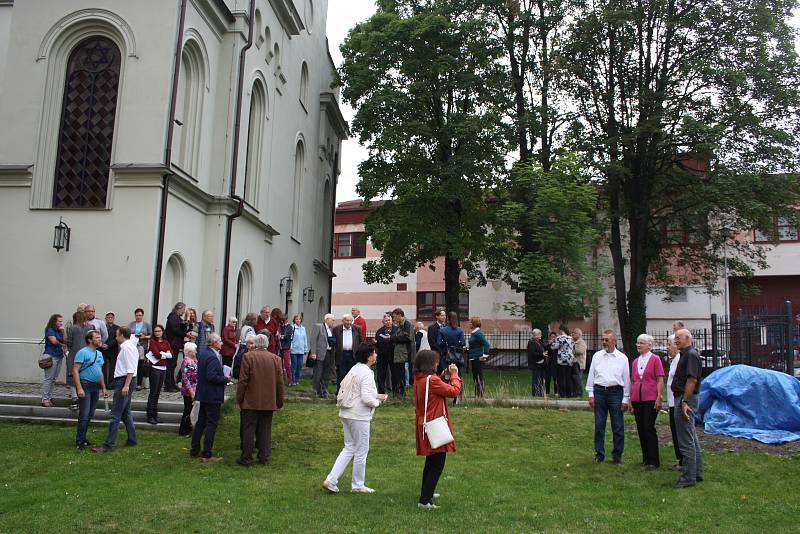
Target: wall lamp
{"x": 287, "y": 280}
{"x": 308, "y": 294}
{"x": 61, "y": 235}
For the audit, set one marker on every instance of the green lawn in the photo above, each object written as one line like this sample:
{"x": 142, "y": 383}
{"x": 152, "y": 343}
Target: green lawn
{"x": 517, "y": 470}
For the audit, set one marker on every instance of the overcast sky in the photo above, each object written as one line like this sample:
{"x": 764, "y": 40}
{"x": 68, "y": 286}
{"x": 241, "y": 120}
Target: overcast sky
{"x": 343, "y": 15}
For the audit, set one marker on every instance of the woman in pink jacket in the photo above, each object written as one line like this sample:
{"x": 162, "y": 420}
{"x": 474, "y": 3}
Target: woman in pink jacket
{"x": 647, "y": 385}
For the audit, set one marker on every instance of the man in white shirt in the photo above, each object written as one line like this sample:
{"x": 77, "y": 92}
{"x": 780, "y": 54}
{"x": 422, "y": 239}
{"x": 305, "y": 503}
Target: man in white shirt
{"x": 124, "y": 384}
{"x": 609, "y": 389}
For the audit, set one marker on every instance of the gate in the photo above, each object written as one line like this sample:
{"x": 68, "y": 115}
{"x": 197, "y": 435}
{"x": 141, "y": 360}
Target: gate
{"x": 762, "y": 338}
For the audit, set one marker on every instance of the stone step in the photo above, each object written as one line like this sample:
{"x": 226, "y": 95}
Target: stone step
{"x": 164, "y": 406}
{"x": 162, "y": 427}
{"x": 65, "y": 413}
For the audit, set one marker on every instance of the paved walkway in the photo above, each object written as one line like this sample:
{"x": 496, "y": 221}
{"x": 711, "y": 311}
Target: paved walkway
{"x": 62, "y": 391}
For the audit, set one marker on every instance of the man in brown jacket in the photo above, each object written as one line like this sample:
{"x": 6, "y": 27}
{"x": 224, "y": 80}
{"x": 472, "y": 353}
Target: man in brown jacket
{"x": 259, "y": 394}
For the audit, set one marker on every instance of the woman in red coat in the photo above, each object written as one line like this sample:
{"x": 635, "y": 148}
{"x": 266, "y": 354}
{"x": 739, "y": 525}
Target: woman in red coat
{"x": 426, "y": 363}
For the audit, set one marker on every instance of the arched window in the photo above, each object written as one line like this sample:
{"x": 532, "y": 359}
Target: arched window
{"x": 172, "y": 284}
{"x": 327, "y": 206}
{"x": 255, "y": 142}
{"x": 86, "y": 133}
{"x": 304, "y": 86}
{"x": 309, "y": 15}
{"x": 244, "y": 291}
{"x": 299, "y": 162}
{"x": 276, "y": 53}
{"x": 257, "y": 30}
{"x": 268, "y": 43}
{"x": 188, "y": 109}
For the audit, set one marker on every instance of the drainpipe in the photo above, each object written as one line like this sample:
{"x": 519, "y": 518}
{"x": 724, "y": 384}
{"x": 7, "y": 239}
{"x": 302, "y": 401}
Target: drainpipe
{"x": 165, "y": 179}
{"x": 234, "y": 164}
{"x": 335, "y": 174}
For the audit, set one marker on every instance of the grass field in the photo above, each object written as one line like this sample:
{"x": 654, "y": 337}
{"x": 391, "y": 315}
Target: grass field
{"x": 517, "y": 470}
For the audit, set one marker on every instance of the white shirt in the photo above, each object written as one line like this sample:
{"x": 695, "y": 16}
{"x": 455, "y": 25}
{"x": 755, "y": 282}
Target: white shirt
{"x": 673, "y": 366}
{"x": 347, "y": 338}
{"x": 359, "y": 383}
{"x": 127, "y": 359}
{"x": 610, "y": 369}
{"x": 642, "y": 363}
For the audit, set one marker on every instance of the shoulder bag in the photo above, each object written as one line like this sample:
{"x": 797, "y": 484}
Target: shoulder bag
{"x": 437, "y": 431}
{"x": 45, "y": 360}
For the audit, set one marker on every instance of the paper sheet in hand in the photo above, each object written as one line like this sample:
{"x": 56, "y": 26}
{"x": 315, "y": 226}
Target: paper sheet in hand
{"x": 152, "y": 358}
{"x": 226, "y": 370}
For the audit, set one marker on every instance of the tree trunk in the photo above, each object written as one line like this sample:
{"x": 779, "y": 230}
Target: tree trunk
{"x": 452, "y": 270}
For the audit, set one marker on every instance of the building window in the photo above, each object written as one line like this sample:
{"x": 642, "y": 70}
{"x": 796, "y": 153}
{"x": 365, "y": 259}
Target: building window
{"x": 86, "y": 133}
{"x": 304, "y": 86}
{"x": 783, "y": 229}
{"x": 189, "y": 108}
{"x": 255, "y": 136}
{"x": 429, "y": 301}
{"x": 299, "y": 162}
{"x": 350, "y": 245}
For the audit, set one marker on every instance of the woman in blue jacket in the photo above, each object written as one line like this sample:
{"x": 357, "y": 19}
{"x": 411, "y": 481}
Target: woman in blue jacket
{"x": 478, "y": 353}
{"x": 299, "y": 348}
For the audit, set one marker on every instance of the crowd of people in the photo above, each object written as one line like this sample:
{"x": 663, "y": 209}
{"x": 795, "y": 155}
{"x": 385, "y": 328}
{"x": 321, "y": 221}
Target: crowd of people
{"x": 268, "y": 352}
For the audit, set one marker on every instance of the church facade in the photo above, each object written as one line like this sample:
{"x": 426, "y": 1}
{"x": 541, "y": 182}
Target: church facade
{"x": 190, "y": 147}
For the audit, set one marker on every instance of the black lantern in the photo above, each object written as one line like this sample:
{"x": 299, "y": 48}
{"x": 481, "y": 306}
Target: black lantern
{"x": 308, "y": 294}
{"x": 287, "y": 280}
{"x": 61, "y": 236}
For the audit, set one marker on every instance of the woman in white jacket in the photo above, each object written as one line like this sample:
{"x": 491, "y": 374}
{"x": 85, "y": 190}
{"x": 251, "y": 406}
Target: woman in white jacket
{"x": 357, "y": 399}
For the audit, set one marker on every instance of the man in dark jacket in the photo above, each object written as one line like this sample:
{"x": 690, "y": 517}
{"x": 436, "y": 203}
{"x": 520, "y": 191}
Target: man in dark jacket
{"x": 536, "y": 363}
{"x": 210, "y": 393}
{"x": 348, "y": 337}
{"x": 174, "y": 331}
{"x": 433, "y": 332}
{"x": 111, "y": 348}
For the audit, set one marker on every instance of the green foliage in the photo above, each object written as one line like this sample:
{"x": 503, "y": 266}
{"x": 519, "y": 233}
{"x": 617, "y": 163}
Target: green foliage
{"x": 559, "y": 272}
{"x": 427, "y": 88}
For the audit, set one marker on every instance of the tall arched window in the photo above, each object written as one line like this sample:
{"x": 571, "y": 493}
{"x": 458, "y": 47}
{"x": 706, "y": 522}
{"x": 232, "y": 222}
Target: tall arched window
{"x": 86, "y": 133}
{"x": 327, "y": 206}
{"x": 188, "y": 109}
{"x": 304, "y": 86}
{"x": 255, "y": 142}
{"x": 244, "y": 291}
{"x": 299, "y": 162}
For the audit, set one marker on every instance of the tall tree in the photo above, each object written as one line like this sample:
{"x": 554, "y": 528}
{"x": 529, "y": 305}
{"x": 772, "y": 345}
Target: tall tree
{"x": 661, "y": 85}
{"x": 425, "y": 81}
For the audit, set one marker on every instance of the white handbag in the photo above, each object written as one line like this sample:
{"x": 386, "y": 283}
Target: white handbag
{"x": 437, "y": 431}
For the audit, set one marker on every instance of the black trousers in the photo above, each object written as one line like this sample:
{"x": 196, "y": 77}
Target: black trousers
{"x": 383, "y": 364}
{"x": 156, "y": 382}
{"x": 564, "y": 378}
{"x": 186, "y": 418}
{"x": 169, "y": 383}
{"x": 477, "y": 376}
{"x": 577, "y": 380}
{"x": 399, "y": 379}
{"x": 256, "y": 424}
{"x": 343, "y": 367}
{"x": 434, "y": 465}
{"x": 550, "y": 374}
{"x": 645, "y": 414}
{"x": 207, "y": 423}
{"x": 678, "y": 455}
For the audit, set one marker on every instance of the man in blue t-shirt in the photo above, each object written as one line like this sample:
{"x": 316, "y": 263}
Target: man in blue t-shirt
{"x": 87, "y": 373}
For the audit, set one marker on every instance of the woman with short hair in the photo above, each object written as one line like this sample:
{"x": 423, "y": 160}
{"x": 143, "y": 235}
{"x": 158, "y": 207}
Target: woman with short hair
{"x": 428, "y": 383}
{"x": 55, "y": 347}
{"x": 229, "y": 342}
{"x": 357, "y": 400}
{"x": 537, "y": 362}
{"x": 188, "y": 385}
{"x": 647, "y": 383}
{"x": 478, "y": 353}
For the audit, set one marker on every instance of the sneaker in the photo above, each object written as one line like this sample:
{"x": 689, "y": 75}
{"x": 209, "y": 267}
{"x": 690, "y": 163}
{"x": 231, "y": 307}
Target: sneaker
{"x": 330, "y": 487}
{"x": 429, "y": 506}
{"x": 362, "y": 489}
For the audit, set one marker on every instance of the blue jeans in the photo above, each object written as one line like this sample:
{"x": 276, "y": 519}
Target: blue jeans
{"x": 121, "y": 411}
{"x": 537, "y": 381}
{"x": 608, "y": 401}
{"x": 297, "y": 365}
{"x": 86, "y": 407}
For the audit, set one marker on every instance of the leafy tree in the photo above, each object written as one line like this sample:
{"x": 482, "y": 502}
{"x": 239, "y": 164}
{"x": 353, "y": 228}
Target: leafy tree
{"x": 559, "y": 276}
{"x": 660, "y": 85}
{"x": 426, "y": 84}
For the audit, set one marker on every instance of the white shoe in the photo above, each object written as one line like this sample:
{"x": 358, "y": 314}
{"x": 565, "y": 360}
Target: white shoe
{"x": 330, "y": 487}
{"x": 363, "y": 489}
{"x": 436, "y": 495}
{"x": 429, "y": 506}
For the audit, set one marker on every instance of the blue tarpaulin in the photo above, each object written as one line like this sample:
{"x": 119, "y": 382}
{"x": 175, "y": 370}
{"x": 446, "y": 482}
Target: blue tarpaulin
{"x": 748, "y": 402}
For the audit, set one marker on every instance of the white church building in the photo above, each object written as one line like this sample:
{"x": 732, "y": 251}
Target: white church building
{"x": 191, "y": 148}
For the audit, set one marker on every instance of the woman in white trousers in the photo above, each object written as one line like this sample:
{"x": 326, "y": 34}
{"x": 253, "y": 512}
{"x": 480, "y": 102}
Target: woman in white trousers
{"x": 357, "y": 399}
